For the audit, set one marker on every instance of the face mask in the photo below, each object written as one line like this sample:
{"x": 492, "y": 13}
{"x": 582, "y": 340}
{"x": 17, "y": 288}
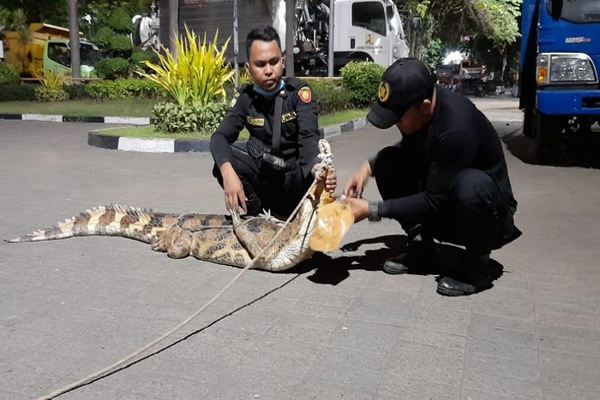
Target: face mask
{"x": 273, "y": 92}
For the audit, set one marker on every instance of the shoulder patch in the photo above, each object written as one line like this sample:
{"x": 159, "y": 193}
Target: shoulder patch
{"x": 305, "y": 94}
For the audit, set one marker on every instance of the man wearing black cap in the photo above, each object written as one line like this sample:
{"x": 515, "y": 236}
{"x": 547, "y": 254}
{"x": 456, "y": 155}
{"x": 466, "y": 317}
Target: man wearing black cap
{"x": 447, "y": 179}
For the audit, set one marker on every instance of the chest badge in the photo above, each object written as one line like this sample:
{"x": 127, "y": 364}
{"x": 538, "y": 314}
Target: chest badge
{"x": 384, "y": 91}
{"x": 305, "y": 94}
{"x": 255, "y": 121}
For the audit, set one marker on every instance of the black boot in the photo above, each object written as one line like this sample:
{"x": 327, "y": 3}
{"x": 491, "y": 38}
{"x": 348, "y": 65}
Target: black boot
{"x": 419, "y": 257}
{"x": 473, "y": 276}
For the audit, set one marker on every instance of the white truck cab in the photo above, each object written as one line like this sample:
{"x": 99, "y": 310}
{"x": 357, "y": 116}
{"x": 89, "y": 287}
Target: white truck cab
{"x": 368, "y": 30}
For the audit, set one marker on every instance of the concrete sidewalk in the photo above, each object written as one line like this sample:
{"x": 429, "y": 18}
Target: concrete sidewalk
{"x": 337, "y": 327}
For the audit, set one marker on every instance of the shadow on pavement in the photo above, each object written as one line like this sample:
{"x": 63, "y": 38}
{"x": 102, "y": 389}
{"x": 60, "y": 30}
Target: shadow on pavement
{"x": 577, "y": 150}
{"x": 333, "y": 270}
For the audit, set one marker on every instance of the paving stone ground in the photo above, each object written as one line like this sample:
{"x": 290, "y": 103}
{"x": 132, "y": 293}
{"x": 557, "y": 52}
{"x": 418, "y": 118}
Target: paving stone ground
{"x": 337, "y": 327}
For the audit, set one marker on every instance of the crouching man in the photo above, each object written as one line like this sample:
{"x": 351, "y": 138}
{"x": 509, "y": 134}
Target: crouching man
{"x": 447, "y": 179}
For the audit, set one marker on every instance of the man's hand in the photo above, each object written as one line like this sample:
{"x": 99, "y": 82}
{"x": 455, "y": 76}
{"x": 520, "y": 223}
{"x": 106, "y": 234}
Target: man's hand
{"x": 320, "y": 172}
{"x": 356, "y": 185}
{"x": 331, "y": 182}
{"x": 233, "y": 189}
{"x": 359, "y": 207}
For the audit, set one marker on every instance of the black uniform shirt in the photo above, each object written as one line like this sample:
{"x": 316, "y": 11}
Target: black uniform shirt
{"x": 299, "y": 124}
{"x": 458, "y": 137}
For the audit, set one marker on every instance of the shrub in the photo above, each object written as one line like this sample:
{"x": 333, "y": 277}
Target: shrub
{"x": 138, "y": 58}
{"x": 16, "y": 92}
{"x": 120, "y": 21}
{"x": 121, "y": 45}
{"x": 51, "y": 80}
{"x": 45, "y": 94}
{"x": 77, "y": 92}
{"x": 124, "y": 89}
{"x": 103, "y": 36}
{"x": 197, "y": 117}
{"x": 362, "y": 80}
{"x": 198, "y": 75}
{"x": 51, "y": 87}
{"x": 330, "y": 95}
{"x": 8, "y": 74}
{"x": 112, "y": 68}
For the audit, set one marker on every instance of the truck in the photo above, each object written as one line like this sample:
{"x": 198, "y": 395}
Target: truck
{"x": 364, "y": 30}
{"x": 560, "y": 55}
{"x": 46, "y": 47}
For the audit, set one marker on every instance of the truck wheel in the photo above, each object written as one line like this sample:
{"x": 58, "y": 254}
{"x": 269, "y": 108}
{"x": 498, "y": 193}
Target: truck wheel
{"x": 547, "y": 137}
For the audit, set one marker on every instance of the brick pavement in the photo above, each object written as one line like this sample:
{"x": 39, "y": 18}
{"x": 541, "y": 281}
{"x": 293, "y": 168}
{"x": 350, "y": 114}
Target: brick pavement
{"x": 336, "y": 328}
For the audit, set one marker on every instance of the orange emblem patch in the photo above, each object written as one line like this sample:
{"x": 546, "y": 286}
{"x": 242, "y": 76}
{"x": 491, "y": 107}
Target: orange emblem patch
{"x": 305, "y": 94}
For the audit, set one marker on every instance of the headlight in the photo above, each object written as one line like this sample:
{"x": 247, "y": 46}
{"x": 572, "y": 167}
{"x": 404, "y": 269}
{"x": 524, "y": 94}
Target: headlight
{"x": 560, "y": 68}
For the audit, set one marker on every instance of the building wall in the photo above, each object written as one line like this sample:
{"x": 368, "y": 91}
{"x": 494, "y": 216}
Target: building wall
{"x": 206, "y": 16}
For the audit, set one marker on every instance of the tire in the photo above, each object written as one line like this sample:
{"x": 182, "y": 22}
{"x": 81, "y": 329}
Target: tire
{"x": 547, "y": 137}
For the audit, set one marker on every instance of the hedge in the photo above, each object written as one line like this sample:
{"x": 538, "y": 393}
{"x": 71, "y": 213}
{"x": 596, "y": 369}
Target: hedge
{"x": 17, "y": 92}
{"x": 124, "y": 89}
{"x": 362, "y": 79}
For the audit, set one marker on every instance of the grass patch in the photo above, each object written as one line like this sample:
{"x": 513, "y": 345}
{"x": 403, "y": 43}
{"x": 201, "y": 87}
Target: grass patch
{"x": 82, "y": 108}
{"x": 148, "y": 132}
{"x": 130, "y": 108}
{"x": 341, "y": 117}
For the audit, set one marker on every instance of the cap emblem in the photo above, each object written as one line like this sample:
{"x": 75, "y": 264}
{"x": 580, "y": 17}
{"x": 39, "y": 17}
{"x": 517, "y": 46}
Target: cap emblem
{"x": 384, "y": 91}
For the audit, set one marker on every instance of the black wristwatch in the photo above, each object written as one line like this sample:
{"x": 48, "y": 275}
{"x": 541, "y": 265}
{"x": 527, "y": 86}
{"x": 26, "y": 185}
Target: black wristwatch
{"x": 374, "y": 211}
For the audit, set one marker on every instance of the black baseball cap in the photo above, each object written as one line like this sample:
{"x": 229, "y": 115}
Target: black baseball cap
{"x": 405, "y": 83}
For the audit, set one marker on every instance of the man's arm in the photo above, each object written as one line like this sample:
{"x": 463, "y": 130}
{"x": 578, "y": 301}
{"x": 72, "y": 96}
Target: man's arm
{"x": 308, "y": 128}
{"x": 228, "y": 132}
{"x": 220, "y": 147}
{"x": 453, "y": 152}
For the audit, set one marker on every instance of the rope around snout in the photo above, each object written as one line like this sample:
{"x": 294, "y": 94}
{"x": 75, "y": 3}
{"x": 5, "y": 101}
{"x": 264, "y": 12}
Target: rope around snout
{"x": 127, "y": 361}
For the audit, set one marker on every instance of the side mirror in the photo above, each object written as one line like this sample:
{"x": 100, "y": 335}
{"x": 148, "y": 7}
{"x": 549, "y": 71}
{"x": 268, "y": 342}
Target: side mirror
{"x": 556, "y": 9}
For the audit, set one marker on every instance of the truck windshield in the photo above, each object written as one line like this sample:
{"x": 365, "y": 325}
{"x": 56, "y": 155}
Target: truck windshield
{"x": 578, "y": 11}
{"x": 369, "y": 15}
{"x": 60, "y": 53}
{"x": 89, "y": 55}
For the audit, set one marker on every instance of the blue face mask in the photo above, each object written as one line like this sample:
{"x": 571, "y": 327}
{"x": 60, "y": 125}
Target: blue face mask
{"x": 273, "y": 92}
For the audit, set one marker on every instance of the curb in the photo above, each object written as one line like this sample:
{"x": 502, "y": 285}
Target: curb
{"x": 74, "y": 118}
{"x": 96, "y": 138}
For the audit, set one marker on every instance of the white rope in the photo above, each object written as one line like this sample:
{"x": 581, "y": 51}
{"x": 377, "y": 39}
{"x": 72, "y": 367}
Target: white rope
{"x": 125, "y": 362}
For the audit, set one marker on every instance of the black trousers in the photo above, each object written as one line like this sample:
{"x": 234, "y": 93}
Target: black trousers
{"x": 278, "y": 192}
{"x": 476, "y": 214}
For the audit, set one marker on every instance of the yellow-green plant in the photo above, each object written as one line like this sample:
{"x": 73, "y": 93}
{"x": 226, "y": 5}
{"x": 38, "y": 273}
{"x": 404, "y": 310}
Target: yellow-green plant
{"x": 198, "y": 74}
{"x": 51, "y": 80}
{"x": 245, "y": 78}
{"x": 51, "y": 87}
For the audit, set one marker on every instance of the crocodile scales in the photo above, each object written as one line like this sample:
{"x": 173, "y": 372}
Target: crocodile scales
{"x": 216, "y": 238}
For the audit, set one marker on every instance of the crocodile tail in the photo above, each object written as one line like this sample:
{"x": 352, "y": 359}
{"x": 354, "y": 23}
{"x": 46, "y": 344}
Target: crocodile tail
{"x": 114, "y": 220}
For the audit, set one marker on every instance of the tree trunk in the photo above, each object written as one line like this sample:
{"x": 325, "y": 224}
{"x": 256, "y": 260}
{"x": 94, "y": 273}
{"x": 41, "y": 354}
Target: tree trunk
{"x": 290, "y": 9}
{"x": 173, "y": 26}
{"x": 74, "y": 41}
{"x": 504, "y": 62}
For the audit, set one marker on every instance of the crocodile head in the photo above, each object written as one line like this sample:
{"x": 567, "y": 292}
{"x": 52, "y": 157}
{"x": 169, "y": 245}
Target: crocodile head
{"x": 319, "y": 224}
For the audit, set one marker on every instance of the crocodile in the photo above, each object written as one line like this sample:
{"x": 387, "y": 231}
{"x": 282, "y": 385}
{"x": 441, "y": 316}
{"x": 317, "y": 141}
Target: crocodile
{"x": 318, "y": 224}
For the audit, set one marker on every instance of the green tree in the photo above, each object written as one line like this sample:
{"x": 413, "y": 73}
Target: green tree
{"x": 464, "y": 22}
{"x": 55, "y": 11}
{"x": 49, "y": 11}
